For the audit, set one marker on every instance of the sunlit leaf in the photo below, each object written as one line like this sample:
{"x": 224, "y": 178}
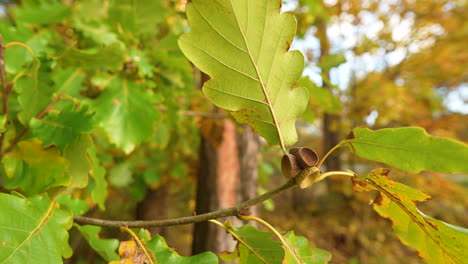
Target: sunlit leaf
{"x": 304, "y": 251}
{"x": 410, "y": 149}
{"x": 33, "y": 231}
{"x": 127, "y": 113}
{"x": 106, "y": 248}
{"x": 243, "y": 46}
{"x": 437, "y": 242}
{"x": 35, "y": 169}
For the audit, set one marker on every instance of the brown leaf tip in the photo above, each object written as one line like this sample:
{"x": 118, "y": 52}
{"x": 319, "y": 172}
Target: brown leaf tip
{"x": 350, "y": 136}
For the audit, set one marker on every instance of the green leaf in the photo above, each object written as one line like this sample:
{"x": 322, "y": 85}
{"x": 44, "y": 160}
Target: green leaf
{"x": 17, "y": 57}
{"x": 46, "y": 12}
{"x": 331, "y": 61}
{"x": 137, "y": 16}
{"x": 33, "y": 231}
{"x": 80, "y": 163}
{"x": 68, "y": 81}
{"x": 157, "y": 245}
{"x": 320, "y": 97}
{"x": 76, "y": 206}
{"x": 437, "y": 242}
{"x": 255, "y": 246}
{"x": 63, "y": 128}
{"x": 97, "y": 31}
{"x": 34, "y": 91}
{"x": 106, "y": 248}
{"x": 110, "y": 57}
{"x": 410, "y": 149}
{"x": 121, "y": 175}
{"x": 99, "y": 184}
{"x": 243, "y": 46}
{"x": 35, "y": 169}
{"x": 127, "y": 113}
{"x": 304, "y": 251}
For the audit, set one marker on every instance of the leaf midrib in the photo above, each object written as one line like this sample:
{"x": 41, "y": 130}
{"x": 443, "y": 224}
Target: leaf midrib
{"x": 262, "y": 83}
{"x": 43, "y": 221}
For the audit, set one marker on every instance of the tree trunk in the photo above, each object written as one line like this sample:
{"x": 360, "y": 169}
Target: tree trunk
{"x": 228, "y": 174}
{"x": 216, "y": 188}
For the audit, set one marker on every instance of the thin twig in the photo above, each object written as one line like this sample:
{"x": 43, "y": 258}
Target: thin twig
{"x": 5, "y": 89}
{"x": 233, "y": 211}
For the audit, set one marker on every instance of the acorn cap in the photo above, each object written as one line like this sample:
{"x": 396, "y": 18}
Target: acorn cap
{"x": 289, "y": 166}
{"x": 305, "y": 156}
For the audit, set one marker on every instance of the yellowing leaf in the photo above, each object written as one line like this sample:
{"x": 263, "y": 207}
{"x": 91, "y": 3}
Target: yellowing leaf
{"x": 436, "y": 241}
{"x": 35, "y": 169}
{"x": 243, "y": 46}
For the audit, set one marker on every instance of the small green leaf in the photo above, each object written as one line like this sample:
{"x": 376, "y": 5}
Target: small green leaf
{"x": 410, "y": 149}
{"x": 244, "y": 47}
{"x": 255, "y": 246}
{"x": 33, "y": 231}
{"x": 68, "y": 81}
{"x": 34, "y": 91}
{"x": 106, "y": 248}
{"x": 99, "y": 184}
{"x": 76, "y": 206}
{"x": 127, "y": 113}
{"x": 110, "y": 57}
{"x": 320, "y": 97}
{"x": 63, "y": 128}
{"x": 331, "y": 61}
{"x": 35, "y": 169}
{"x": 121, "y": 175}
{"x": 157, "y": 245}
{"x": 80, "y": 163}
{"x": 137, "y": 16}
{"x": 437, "y": 242}
{"x": 304, "y": 251}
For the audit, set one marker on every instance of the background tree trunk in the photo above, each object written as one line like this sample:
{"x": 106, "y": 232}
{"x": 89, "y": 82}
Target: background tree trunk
{"x": 228, "y": 174}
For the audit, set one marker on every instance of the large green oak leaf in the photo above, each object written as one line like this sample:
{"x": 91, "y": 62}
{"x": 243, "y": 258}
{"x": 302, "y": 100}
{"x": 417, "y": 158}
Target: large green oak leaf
{"x": 127, "y": 113}
{"x": 437, "y": 242}
{"x": 243, "y": 46}
{"x": 410, "y": 149}
{"x": 33, "y": 231}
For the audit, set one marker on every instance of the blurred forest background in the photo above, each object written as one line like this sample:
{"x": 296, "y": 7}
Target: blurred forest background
{"x": 371, "y": 63}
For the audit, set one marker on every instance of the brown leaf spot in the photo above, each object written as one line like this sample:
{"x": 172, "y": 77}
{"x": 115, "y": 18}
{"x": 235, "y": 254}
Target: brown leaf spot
{"x": 384, "y": 172}
{"x": 3, "y": 243}
{"x": 431, "y": 224}
{"x": 116, "y": 102}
